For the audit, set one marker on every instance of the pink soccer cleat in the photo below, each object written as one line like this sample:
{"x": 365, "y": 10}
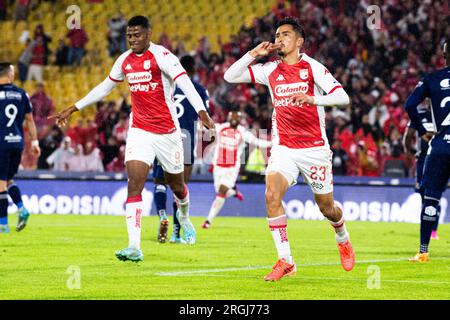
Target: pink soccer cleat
{"x": 347, "y": 255}
{"x": 206, "y": 225}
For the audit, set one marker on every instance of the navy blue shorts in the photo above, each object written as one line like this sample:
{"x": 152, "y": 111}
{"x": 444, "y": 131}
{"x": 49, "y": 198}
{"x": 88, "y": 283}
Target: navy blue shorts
{"x": 158, "y": 171}
{"x": 9, "y": 163}
{"x": 436, "y": 174}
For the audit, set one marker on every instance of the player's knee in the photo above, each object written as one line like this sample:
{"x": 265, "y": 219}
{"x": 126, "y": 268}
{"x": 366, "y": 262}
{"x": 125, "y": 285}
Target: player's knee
{"x": 273, "y": 199}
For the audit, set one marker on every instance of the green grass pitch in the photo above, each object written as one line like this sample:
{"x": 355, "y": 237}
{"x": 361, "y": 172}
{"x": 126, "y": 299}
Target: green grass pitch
{"x": 229, "y": 261}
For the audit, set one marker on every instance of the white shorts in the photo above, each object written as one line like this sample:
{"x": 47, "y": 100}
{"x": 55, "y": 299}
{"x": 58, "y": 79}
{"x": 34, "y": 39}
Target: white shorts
{"x": 144, "y": 146}
{"x": 226, "y": 176}
{"x": 314, "y": 164}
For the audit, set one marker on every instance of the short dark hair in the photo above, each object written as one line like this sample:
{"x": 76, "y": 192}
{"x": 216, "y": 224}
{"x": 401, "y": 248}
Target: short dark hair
{"x": 188, "y": 63}
{"x": 294, "y": 23}
{"x": 139, "y": 21}
{"x": 5, "y": 67}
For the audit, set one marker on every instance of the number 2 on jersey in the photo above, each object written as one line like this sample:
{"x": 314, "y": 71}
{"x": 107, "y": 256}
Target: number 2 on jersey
{"x": 11, "y": 113}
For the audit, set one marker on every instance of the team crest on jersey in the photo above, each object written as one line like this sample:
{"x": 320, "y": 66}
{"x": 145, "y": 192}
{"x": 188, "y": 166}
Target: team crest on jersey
{"x": 147, "y": 64}
{"x": 304, "y": 74}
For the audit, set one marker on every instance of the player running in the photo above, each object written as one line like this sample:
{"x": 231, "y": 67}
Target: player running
{"x": 15, "y": 108}
{"x": 154, "y": 132}
{"x": 436, "y": 172}
{"x": 420, "y": 150}
{"x": 297, "y": 84}
{"x": 231, "y": 139}
{"x": 187, "y": 116}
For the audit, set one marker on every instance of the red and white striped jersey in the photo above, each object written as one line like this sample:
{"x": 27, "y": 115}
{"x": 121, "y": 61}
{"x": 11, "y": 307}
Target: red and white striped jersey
{"x": 150, "y": 77}
{"x": 231, "y": 144}
{"x": 296, "y": 125}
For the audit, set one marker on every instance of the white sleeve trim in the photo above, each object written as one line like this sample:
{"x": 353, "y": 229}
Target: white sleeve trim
{"x": 96, "y": 94}
{"x": 337, "y": 98}
{"x": 238, "y": 72}
{"x": 185, "y": 84}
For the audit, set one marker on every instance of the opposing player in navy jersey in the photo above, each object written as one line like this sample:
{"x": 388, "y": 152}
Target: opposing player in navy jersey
{"x": 436, "y": 173}
{"x": 15, "y": 108}
{"x": 414, "y": 144}
{"x": 187, "y": 117}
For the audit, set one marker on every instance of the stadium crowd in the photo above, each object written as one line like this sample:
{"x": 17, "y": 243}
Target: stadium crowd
{"x": 378, "y": 67}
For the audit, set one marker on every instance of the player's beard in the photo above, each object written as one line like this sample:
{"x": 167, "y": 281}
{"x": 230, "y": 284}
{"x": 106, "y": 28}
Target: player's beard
{"x": 281, "y": 53}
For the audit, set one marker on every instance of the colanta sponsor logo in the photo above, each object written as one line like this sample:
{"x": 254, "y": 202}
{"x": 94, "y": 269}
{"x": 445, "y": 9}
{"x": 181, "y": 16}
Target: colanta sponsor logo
{"x": 284, "y": 90}
{"x": 138, "y": 77}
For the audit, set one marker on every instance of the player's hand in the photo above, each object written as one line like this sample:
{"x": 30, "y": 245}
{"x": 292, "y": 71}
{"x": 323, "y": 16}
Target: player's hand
{"x": 428, "y": 135}
{"x": 264, "y": 48}
{"x": 206, "y": 120}
{"x": 300, "y": 98}
{"x": 208, "y": 123}
{"x": 63, "y": 116}
{"x": 36, "y": 151}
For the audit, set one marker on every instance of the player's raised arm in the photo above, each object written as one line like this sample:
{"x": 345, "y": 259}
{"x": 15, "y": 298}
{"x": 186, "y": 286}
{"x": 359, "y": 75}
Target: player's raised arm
{"x": 239, "y": 71}
{"x": 95, "y": 95}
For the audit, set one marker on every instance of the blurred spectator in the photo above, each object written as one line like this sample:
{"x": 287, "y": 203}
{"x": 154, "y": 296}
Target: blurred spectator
{"x": 121, "y": 128}
{"x": 21, "y": 12}
{"x": 118, "y": 163}
{"x": 42, "y": 106}
{"x": 367, "y": 161}
{"x": 25, "y": 59}
{"x": 340, "y": 158}
{"x": 60, "y": 158}
{"x": 50, "y": 138}
{"x": 3, "y": 9}
{"x": 117, "y": 43}
{"x": 109, "y": 151}
{"x": 37, "y": 61}
{"x": 78, "y": 39}
{"x": 62, "y": 54}
{"x": 40, "y": 35}
{"x": 76, "y": 162}
{"x": 92, "y": 159}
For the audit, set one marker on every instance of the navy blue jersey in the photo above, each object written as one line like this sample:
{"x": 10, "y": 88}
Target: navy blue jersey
{"x": 427, "y": 122}
{"x": 14, "y": 104}
{"x": 187, "y": 116}
{"x": 435, "y": 86}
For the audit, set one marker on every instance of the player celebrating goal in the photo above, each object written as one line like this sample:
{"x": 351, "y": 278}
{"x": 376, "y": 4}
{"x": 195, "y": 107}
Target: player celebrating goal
{"x": 297, "y": 84}
{"x": 231, "y": 139}
{"x": 151, "y": 71}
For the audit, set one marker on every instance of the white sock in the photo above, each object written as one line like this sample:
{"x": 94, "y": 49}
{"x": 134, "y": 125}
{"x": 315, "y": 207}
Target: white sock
{"x": 183, "y": 205}
{"x": 230, "y": 193}
{"x": 278, "y": 229}
{"x": 340, "y": 229}
{"x": 133, "y": 216}
{"x": 216, "y": 207}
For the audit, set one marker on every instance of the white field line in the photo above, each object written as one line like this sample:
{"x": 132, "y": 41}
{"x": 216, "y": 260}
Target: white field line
{"x": 217, "y": 270}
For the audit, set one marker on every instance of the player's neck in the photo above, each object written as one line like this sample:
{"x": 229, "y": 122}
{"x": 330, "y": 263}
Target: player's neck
{"x": 292, "y": 58}
{"x": 5, "y": 81}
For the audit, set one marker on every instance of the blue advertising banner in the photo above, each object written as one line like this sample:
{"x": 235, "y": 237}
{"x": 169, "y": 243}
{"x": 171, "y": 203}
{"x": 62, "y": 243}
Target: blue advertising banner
{"x": 359, "y": 202}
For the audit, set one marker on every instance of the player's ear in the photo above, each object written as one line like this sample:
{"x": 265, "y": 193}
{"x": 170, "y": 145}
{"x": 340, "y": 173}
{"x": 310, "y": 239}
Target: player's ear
{"x": 300, "y": 42}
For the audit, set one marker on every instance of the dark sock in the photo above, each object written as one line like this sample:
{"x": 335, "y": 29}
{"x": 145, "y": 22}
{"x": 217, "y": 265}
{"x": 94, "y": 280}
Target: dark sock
{"x": 4, "y": 207}
{"x": 160, "y": 199}
{"x": 428, "y": 218}
{"x": 176, "y": 223}
{"x": 16, "y": 195}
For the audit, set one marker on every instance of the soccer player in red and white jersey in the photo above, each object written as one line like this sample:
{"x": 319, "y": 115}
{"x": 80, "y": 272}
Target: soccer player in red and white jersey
{"x": 231, "y": 139}
{"x": 152, "y": 72}
{"x": 299, "y": 87}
